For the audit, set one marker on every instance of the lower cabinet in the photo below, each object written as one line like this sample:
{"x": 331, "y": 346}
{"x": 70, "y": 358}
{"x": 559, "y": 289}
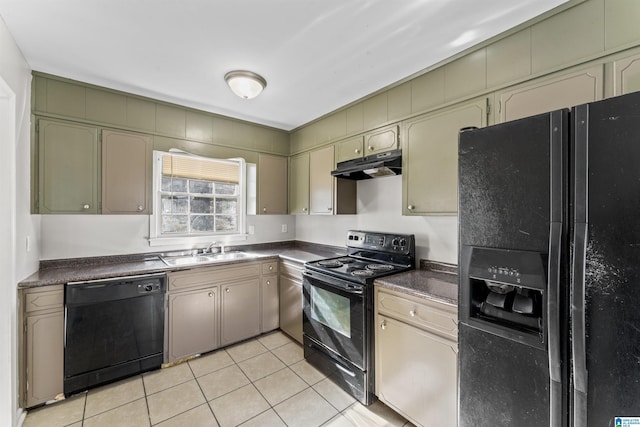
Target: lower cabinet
{"x": 270, "y": 296}
{"x": 291, "y": 299}
{"x": 193, "y": 322}
{"x": 211, "y": 307}
{"x": 416, "y": 350}
{"x": 42, "y": 344}
{"x": 239, "y": 311}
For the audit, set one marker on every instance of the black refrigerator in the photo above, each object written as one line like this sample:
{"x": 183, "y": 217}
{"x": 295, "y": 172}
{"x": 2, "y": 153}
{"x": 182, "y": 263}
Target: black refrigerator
{"x": 549, "y": 269}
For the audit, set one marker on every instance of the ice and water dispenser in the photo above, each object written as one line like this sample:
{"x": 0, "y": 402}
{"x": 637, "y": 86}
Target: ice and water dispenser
{"x": 503, "y": 292}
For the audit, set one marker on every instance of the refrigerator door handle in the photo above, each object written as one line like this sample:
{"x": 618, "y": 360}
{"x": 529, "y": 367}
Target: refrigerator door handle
{"x": 578, "y": 340}
{"x": 553, "y": 325}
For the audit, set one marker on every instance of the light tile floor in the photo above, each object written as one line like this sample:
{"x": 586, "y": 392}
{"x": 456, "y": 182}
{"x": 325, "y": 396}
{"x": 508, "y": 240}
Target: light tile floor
{"x": 261, "y": 382}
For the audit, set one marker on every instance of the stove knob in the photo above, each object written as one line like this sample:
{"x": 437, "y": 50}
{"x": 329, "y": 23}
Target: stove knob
{"x": 403, "y": 242}
{"x": 395, "y": 242}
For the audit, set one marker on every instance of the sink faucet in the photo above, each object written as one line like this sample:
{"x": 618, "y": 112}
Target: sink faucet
{"x": 219, "y": 248}
{"x": 214, "y": 248}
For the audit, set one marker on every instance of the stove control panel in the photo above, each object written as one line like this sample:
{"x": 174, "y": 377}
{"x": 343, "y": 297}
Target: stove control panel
{"x": 385, "y": 242}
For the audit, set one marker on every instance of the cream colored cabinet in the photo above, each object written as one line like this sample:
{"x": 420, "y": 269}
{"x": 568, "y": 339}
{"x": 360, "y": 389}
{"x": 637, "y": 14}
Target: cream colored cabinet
{"x": 626, "y": 75}
{"x": 272, "y": 184}
{"x": 321, "y": 164}
{"x": 68, "y": 168}
{"x": 270, "y": 296}
{"x": 239, "y": 311}
{"x": 552, "y": 93}
{"x": 211, "y": 306}
{"x": 291, "y": 299}
{"x": 42, "y": 345}
{"x": 416, "y": 349}
{"x": 126, "y": 172}
{"x": 299, "y": 184}
{"x": 430, "y": 158}
{"x": 193, "y": 322}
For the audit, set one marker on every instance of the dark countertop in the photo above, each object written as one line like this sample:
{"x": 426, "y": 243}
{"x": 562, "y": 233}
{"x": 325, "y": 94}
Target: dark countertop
{"x": 428, "y": 284}
{"x": 82, "y": 269}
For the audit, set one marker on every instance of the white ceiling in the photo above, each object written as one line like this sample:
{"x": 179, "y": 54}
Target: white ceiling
{"x": 316, "y": 55}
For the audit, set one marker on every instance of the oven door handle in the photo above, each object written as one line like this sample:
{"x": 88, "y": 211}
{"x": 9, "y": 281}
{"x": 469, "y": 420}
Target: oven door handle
{"x": 326, "y": 282}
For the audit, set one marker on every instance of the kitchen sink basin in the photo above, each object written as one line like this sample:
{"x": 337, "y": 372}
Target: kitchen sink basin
{"x": 181, "y": 260}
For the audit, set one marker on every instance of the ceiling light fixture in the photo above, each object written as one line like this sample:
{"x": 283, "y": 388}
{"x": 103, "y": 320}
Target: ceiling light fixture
{"x": 245, "y": 84}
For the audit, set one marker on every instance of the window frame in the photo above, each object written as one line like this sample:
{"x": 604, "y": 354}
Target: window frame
{"x": 157, "y": 238}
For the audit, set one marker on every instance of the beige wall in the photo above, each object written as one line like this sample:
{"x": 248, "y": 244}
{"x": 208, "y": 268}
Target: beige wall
{"x": 17, "y": 223}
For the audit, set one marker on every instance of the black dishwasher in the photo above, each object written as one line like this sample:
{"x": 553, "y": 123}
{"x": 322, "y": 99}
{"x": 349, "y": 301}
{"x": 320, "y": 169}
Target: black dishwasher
{"x": 114, "y": 328}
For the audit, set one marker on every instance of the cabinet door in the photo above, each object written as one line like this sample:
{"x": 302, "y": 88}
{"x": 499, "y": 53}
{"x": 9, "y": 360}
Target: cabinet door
{"x": 272, "y": 184}
{"x": 240, "y": 311}
{"x": 562, "y": 91}
{"x": 126, "y": 169}
{"x": 408, "y": 358}
{"x": 299, "y": 185}
{"x": 381, "y": 140}
{"x": 430, "y": 158}
{"x": 291, "y": 307}
{"x": 193, "y": 323}
{"x": 626, "y": 75}
{"x": 45, "y": 357}
{"x": 68, "y": 168}
{"x": 320, "y": 181}
{"x": 270, "y": 303}
{"x": 349, "y": 149}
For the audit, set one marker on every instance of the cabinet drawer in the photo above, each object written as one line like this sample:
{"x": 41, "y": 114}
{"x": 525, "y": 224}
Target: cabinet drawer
{"x": 208, "y": 276}
{"x": 51, "y": 298}
{"x": 428, "y": 315}
{"x": 270, "y": 267}
{"x": 291, "y": 269}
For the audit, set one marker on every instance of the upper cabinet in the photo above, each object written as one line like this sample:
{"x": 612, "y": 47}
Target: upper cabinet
{"x": 272, "y": 184}
{"x": 299, "y": 184}
{"x": 430, "y": 158}
{"x": 320, "y": 181}
{"x": 68, "y": 168}
{"x": 548, "y": 94}
{"x": 376, "y": 141}
{"x": 349, "y": 149}
{"x": 126, "y": 172}
{"x": 626, "y": 75}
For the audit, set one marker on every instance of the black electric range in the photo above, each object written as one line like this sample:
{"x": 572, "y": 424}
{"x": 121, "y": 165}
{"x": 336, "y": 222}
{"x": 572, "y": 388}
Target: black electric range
{"x": 338, "y": 307}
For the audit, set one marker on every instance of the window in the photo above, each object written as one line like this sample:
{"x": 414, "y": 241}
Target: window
{"x": 197, "y": 197}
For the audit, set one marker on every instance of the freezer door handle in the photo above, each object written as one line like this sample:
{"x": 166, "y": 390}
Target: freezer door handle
{"x": 553, "y": 324}
{"x": 578, "y": 340}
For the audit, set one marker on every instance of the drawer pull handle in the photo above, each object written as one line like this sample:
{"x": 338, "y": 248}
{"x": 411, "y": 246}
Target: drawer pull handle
{"x": 383, "y": 325}
{"x": 227, "y": 290}
{"x": 85, "y": 207}
{"x": 140, "y": 208}
{"x": 210, "y": 294}
{"x": 268, "y": 282}
{"x": 412, "y": 313}
{"x": 271, "y": 268}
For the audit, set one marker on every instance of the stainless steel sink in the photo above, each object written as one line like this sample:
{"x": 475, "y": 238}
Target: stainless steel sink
{"x": 181, "y": 260}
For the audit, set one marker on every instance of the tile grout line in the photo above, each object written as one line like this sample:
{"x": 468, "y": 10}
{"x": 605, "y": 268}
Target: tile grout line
{"x": 202, "y": 391}
{"x": 146, "y": 400}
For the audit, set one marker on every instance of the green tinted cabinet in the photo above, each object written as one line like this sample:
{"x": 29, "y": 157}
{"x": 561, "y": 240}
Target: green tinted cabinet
{"x": 299, "y": 184}
{"x": 626, "y": 75}
{"x": 321, "y": 164}
{"x": 272, "y": 185}
{"x": 68, "y": 168}
{"x": 430, "y": 158}
{"x": 126, "y": 172}
{"x": 561, "y": 91}
{"x": 376, "y": 141}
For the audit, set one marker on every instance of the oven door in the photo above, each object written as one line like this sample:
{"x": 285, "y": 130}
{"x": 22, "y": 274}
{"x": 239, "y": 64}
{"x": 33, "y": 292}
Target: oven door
{"x": 335, "y": 314}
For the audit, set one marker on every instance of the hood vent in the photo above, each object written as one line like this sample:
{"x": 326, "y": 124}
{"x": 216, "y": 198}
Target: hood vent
{"x": 373, "y": 166}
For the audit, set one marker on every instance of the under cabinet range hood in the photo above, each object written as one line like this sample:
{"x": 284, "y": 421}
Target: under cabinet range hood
{"x": 373, "y": 166}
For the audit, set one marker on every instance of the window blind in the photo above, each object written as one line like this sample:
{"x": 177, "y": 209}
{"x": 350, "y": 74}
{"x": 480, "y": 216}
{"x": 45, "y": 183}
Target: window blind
{"x": 182, "y": 166}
